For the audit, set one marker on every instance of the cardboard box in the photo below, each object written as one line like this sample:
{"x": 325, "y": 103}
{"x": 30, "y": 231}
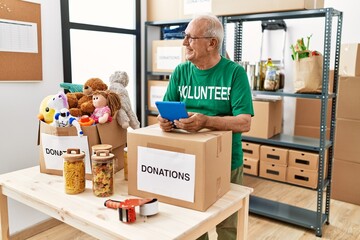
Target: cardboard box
{"x": 151, "y": 120}
{"x": 302, "y": 177}
{"x": 345, "y": 181}
{"x": 167, "y": 54}
{"x": 161, "y": 10}
{"x": 273, "y": 171}
{"x": 303, "y": 160}
{"x": 108, "y": 133}
{"x": 348, "y": 100}
{"x": 274, "y": 155}
{"x": 251, "y": 150}
{"x": 251, "y": 166}
{"x": 312, "y": 132}
{"x": 204, "y": 156}
{"x": 347, "y": 139}
{"x": 308, "y": 112}
{"x": 349, "y": 59}
{"x": 267, "y": 120}
{"x": 156, "y": 92}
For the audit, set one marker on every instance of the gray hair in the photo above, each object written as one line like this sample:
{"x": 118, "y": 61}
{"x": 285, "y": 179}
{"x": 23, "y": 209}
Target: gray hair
{"x": 214, "y": 27}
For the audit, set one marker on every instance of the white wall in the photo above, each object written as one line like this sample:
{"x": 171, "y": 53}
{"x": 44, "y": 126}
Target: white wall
{"x": 18, "y": 119}
{"x": 19, "y": 104}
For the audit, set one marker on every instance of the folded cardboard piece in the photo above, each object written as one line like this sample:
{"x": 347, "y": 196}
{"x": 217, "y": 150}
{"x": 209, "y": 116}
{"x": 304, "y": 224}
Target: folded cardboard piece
{"x": 108, "y": 133}
{"x": 196, "y": 166}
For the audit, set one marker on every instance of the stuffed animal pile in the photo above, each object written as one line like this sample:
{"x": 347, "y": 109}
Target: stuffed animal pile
{"x": 96, "y": 104}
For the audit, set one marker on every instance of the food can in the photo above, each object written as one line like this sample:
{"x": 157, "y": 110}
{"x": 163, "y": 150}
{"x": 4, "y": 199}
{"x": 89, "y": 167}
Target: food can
{"x": 102, "y": 165}
{"x": 74, "y": 171}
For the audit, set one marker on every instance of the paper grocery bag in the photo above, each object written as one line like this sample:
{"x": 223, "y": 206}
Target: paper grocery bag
{"x": 308, "y": 74}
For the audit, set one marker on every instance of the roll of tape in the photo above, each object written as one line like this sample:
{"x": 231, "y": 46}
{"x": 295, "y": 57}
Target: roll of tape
{"x": 149, "y": 208}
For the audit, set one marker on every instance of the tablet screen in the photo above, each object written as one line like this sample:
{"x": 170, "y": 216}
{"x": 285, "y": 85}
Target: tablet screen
{"x": 172, "y": 110}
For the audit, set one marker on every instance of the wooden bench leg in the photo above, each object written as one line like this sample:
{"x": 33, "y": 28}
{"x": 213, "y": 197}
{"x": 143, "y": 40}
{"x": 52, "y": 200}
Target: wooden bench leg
{"x": 4, "y": 217}
{"x": 243, "y": 220}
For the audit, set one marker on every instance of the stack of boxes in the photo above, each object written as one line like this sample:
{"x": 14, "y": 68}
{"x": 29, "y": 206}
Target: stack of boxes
{"x": 251, "y": 158}
{"x": 273, "y": 162}
{"x": 346, "y": 168}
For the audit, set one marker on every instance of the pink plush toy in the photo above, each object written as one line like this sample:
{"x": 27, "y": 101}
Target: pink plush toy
{"x": 106, "y": 103}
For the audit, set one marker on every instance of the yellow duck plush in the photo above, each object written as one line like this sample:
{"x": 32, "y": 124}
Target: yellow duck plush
{"x": 46, "y": 114}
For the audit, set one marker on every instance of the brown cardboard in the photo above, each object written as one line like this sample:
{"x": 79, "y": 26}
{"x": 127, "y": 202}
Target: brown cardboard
{"x": 273, "y": 171}
{"x": 158, "y": 46}
{"x": 161, "y": 10}
{"x": 308, "y": 112}
{"x": 303, "y": 160}
{"x": 251, "y": 150}
{"x": 251, "y": 166}
{"x": 156, "y": 91}
{"x": 302, "y": 177}
{"x": 347, "y": 140}
{"x": 345, "y": 181}
{"x": 312, "y": 132}
{"x": 274, "y": 155}
{"x": 212, "y": 150}
{"x": 152, "y": 120}
{"x": 349, "y": 59}
{"x": 348, "y": 100}
{"x": 108, "y": 133}
{"x": 267, "y": 120}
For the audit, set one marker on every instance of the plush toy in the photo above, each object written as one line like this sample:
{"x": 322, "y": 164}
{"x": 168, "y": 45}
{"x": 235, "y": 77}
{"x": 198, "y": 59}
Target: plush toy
{"x": 106, "y": 103}
{"x": 46, "y": 113}
{"x": 58, "y": 102}
{"x": 125, "y": 116}
{"x": 64, "y": 119}
{"x": 80, "y": 103}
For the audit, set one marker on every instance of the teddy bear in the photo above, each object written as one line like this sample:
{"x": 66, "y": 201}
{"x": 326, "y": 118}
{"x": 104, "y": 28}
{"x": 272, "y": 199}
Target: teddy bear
{"x": 80, "y": 103}
{"x": 125, "y": 116}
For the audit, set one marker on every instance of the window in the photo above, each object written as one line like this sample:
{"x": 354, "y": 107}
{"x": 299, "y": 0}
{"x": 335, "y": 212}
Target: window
{"x": 99, "y": 38}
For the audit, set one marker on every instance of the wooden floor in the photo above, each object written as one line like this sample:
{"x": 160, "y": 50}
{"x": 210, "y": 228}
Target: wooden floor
{"x": 344, "y": 217}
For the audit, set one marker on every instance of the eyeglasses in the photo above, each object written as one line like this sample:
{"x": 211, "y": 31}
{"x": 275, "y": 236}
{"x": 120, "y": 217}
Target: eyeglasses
{"x": 190, "y": 38}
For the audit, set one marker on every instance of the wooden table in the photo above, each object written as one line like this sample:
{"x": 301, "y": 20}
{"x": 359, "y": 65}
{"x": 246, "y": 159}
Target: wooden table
{"x": 87, "y": 213}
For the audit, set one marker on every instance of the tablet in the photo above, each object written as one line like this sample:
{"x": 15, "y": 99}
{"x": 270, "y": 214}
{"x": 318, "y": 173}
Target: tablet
{"x": 171, "y": 110}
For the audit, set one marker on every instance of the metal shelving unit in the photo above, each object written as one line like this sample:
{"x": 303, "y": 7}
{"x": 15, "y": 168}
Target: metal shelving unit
{"x": 312, "y": 219}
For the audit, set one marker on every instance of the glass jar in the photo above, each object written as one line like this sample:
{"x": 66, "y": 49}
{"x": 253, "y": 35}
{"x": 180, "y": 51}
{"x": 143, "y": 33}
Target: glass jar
{"x": 102, "y": 163}
{"x": 272, "y": 80}
{"x": 74, "y": 171}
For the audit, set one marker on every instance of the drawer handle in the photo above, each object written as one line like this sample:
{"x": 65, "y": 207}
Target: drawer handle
{"x": 276, "y": 157}
{"x": 272, "y": 172}
{"x": 301, "y": 161}
{"x": 302, "y": 178}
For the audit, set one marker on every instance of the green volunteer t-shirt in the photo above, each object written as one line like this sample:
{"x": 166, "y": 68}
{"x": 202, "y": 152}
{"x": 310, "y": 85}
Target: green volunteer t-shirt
{"x": 222, "y": 90}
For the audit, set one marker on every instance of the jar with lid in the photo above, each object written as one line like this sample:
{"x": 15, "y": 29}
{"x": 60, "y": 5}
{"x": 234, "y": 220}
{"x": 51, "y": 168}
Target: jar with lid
{"x": 74, "y": 171}
{"x": 103, "y": 173}
{"x": 272, "y": 80}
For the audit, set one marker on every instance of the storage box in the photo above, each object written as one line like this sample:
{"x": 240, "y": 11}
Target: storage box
{"x": 346, "y": 181}
{"x": 108, "y": 133}
{"x": 302, "y": 177}
{"x": 167, "y": 54}
{"x": 347, "y": 139}
{"x": 156, "y": 92}
{"x": 308, "y": 112}
{"x": 303, "y": 160}
{"x": 349, "y": 59}
{"x": 161, "y": 10}
{"x": 312, "y": 132}
{"x": 203, "y": 157}
{"x": 251, "y": 166}
{"x": 152, "y": 120}
{"x": 273, "y": 171}
{"x": 348, "y": 100}
{"x": 251, "y": 150}
{"x": 274, "y": 155}
{"x": 267, "y": 120}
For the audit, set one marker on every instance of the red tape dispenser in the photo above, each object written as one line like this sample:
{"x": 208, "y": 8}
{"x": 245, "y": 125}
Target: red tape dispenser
{"x": 126, "y": 208}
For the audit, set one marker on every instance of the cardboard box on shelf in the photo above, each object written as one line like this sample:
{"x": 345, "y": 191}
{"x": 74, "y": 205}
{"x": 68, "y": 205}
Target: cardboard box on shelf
{"x": 190, "y": 170}
{"x": 345, "y": 180}
{"x": 152, "y": 120}
{"x": 308, "y": 111}
{"x": 272, "y": 171}
{"x": 312, "y": 132}
{"x": 251, "y": 150}
{"x": 108, "y": 133}
{"x": 251, "y": 166}
{"x": 161, "y": 10}
{"x": 274, "y": 155}
{"x": 156, "y": 92}
{"x": 303, "y": 160}
{"x": 349, "y": 59}
{"x": 347, "y": 139}
{"x": 348, "y": 100}
{"x": 267, "y": 121}
{"x": 167, "y": 54}
{"x": 302, "y": 177}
